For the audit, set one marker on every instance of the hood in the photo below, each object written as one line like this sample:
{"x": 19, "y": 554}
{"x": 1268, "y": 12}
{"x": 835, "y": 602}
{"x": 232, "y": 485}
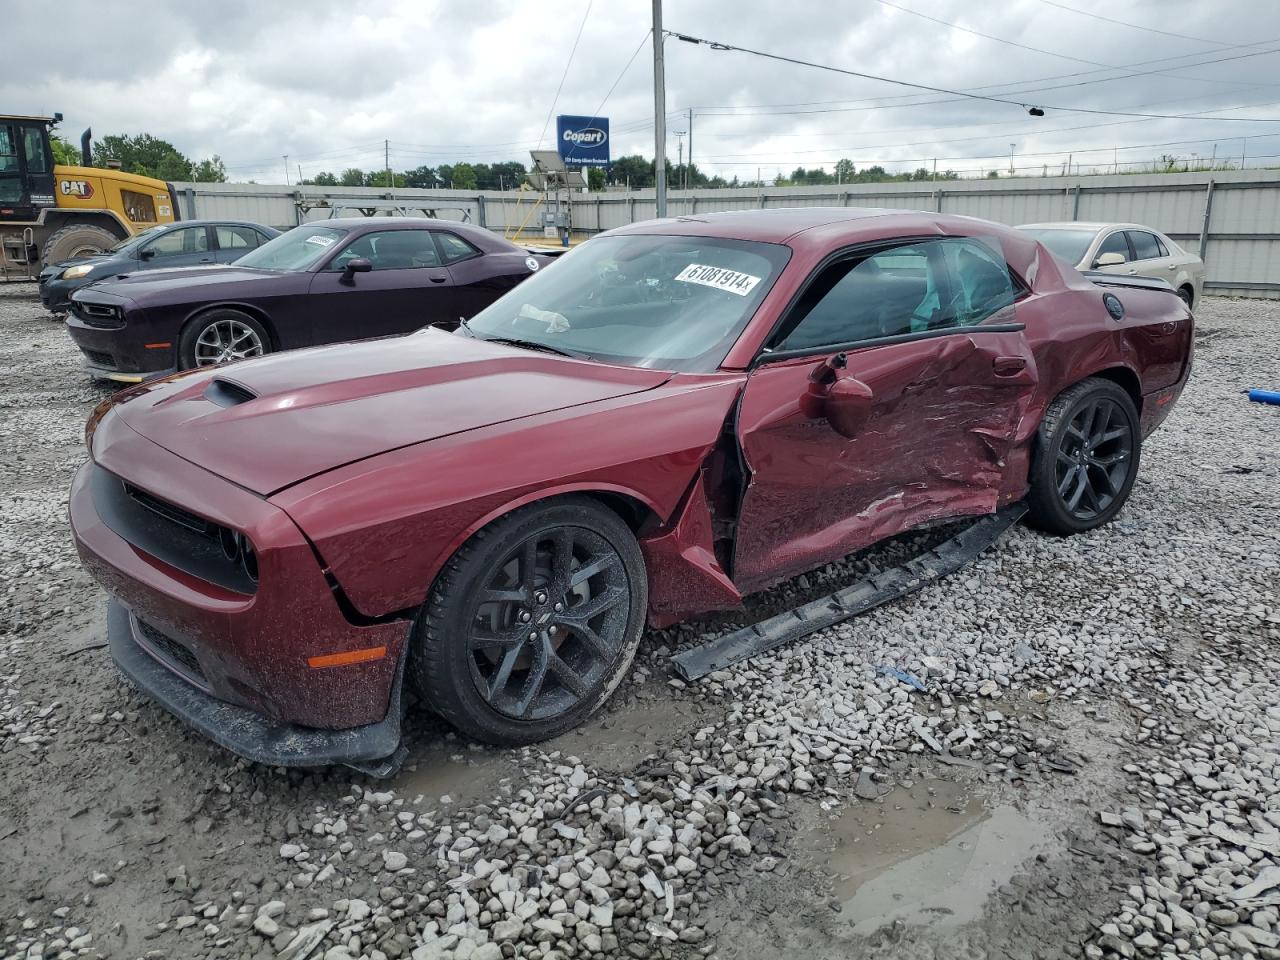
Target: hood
{"x": 267, "y": 424}
{"x": 133, "y": 284}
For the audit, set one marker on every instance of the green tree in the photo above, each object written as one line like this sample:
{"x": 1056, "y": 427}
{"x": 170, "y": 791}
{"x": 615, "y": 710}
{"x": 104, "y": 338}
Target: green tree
{"x": 464, "y": 177}
{"x": 63, "y": 152}
{"x": 143, "y": 154}
{"x": 634, "y": 170}
{"x": 595, "y": 178}
{"x": 420, "y": 177}
{"x": 845, "y": 171}
{"x": 209, "y": 171}
{"x": 352, "y": 177}
{"x": 323, "y": 179}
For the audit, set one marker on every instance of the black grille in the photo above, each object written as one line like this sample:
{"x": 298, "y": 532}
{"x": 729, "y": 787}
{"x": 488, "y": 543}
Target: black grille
{"x": 100, "y": 359}
{"x": 178, "y": 537}
{"x": 167, "y": 510}
{"x": 98, "y": 315}
{"x": 171, "y": 650}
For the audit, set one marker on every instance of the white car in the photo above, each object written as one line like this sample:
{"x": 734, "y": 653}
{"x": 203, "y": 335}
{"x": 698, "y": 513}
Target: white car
{"x": 1128, "y": 249}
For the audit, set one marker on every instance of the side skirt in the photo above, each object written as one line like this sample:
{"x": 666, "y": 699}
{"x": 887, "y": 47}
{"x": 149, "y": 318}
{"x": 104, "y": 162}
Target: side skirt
{"x": 946, "y": 558}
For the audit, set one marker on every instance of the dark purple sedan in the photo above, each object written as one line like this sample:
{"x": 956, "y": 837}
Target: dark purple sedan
{"x": 322, "y": 282}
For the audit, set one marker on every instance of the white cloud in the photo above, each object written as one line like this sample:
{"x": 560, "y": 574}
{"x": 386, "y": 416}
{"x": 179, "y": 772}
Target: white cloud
{"x": 447, "y": 81}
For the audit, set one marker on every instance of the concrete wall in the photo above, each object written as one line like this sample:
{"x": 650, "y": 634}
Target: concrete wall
{"x": 1232, "y": 218}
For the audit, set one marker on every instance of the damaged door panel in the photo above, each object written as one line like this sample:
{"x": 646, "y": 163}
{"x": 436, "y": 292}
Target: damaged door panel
{"x": 842, "y": 453}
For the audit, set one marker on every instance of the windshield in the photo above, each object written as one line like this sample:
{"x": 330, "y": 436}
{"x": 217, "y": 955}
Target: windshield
{"x": 296, "y": 250}
{"x": 668, "y": 302}
{"x": 136, "y": 238}
{"x": 1069, "y": 245}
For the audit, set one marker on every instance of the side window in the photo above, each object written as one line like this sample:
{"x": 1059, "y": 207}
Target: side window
{"x": 1145, "y": 245}
{"x": 8, "y": 150}
{"x": 33, "y": 147}
{"x": 1164, "y": 251}
{"x": 391, "y": 250}
{"x": 910, "y": 289}
{"x": 138, "y": 207}
{"x": 1115, "y": 243}
{"x": 981, "y": 282}
{"x": 242, "y": 239}
{"x": 175, "y": 242}
{"x": 455, "y": 248}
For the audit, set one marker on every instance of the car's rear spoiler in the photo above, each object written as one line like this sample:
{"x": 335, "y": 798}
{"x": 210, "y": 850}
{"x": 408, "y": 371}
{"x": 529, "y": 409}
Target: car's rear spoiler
{"x": 1115, "y": 280}
{"x": 548, "y": 251}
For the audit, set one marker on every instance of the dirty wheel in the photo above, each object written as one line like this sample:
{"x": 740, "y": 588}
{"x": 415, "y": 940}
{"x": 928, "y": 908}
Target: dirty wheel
{"x": 77, "y": 240}
{"x": 221, "y": 336}
{"x": 1086, "y": 458}
{"x": 1186, "y": 295}
{"x": 532, "y": 623}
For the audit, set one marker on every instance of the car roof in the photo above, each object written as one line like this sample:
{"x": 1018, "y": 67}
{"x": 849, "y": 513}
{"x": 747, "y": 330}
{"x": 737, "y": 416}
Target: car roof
{"x": 202, "y": 222}
{"x": 1085, "y": 225}
{"x": 776, "y": 225}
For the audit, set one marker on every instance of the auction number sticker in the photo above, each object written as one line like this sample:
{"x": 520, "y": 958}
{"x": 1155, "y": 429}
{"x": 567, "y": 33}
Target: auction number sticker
{"x": 719, "y": 278}
{"x": 320, "y": 240}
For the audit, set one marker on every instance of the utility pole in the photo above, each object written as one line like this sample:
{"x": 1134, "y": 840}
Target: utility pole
{"x": 659, "y": 114}
{"x": 1244, "y": 150}
{"x": 679, "y": 157}
{"x": 386, "y": 160}
{"x": 286, "y": 170}
{"x": 1011, "y": 159}
{"x": 299, "y": 173}
{"x": 688, "y": 173}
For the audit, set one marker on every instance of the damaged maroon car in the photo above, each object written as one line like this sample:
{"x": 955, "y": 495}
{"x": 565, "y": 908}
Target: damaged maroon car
{"x": 680, "y": 413}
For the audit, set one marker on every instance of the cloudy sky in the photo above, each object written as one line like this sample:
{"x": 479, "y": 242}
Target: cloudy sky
{"x": 328, "y": 82}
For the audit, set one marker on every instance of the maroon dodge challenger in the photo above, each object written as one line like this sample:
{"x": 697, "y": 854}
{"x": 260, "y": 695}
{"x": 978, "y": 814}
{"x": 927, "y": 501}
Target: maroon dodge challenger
{"x": 680, "y": 413}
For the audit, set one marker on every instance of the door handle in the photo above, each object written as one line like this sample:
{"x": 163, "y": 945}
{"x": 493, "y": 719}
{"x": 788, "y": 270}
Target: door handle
{"x": 437, "y": 279}
{"x": 1008, "y": 366}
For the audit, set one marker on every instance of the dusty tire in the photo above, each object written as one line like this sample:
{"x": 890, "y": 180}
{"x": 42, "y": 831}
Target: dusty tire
{"x": 198, "y": 345}
{"x": 1086, "y": 458}
{"x": 77, "y": 240}
{"x": 501, "y": 649}
{"x": 1187, "y": 296}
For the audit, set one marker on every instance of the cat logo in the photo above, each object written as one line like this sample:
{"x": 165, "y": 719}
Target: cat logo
{"x": 76, "y": 188}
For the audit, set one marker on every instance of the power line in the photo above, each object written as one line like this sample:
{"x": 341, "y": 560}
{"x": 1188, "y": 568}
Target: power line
{"x": 625, "y": 67}
{"x": 568, "y": 63}
{"x": 1136, "y": 26}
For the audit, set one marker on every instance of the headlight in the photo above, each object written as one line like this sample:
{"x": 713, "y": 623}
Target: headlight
{"x": 72, "y": 273}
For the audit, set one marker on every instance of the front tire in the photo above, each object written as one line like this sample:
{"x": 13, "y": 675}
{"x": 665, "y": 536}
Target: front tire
{"x": 533, "y": 623}
{"x": 1086, "y": 458}
{"x": 221, "y": 336}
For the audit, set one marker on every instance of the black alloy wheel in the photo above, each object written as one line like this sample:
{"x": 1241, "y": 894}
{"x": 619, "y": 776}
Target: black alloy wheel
{"x": 550, "y": 623}
{"x": 533, "y": 622}
{"x": 1086, "y": 458}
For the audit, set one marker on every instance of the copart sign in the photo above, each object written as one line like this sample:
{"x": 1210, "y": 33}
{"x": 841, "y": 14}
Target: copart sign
{"x": 583, "y": 141}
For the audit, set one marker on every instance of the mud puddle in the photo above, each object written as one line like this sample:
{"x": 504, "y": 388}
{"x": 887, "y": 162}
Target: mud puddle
{"x": 618, "y": 740}
{"x": 930, "y": 855}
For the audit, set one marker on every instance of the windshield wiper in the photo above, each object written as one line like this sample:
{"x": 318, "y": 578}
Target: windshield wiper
{"x": 536, "y": 345}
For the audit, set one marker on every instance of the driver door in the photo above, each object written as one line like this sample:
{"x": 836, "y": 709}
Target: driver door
{"x": 889, "y": 398}
{"x": 407, "y": 288}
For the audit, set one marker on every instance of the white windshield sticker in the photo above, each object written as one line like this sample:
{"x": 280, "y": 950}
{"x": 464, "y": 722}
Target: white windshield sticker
{"x": 718, "y": 277}
{"x": 322, "y": 240}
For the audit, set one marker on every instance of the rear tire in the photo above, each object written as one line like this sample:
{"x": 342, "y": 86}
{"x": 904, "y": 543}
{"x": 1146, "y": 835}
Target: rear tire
{"x": 221, "y": 336}
{"x": 1086, "y": 458}
{"x": 533, "y": 623}
{"x": 1187, "y": 295}
{"x": 77, "y": 240}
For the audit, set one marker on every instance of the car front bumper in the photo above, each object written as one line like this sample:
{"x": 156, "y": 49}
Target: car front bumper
{"x": 274, "y": 671}
{"x": 114, "y": 353}
{"x": 55, "y": 293}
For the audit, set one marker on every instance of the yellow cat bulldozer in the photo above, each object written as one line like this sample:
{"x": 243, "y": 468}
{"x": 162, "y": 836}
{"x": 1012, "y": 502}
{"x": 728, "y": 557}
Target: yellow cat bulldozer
{"x": 51, "y": 212}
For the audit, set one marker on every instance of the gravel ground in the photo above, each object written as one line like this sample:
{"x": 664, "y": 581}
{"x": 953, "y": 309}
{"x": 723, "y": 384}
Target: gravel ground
{"x": 1089, "y": 770}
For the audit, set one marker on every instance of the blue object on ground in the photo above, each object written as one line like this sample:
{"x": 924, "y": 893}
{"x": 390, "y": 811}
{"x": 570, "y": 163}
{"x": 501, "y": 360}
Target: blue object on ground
{"x": 901, "y": 675}
{"x": 1265, "y": 396}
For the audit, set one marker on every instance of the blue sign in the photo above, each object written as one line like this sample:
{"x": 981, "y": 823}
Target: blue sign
{"x": 583, "y": 141}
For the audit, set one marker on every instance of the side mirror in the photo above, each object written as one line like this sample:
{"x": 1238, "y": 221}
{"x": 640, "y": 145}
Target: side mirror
{"x": 848, "y": 406}
{"x": 358, "y": 265}
{"x": 1110, "y": 260}
{"x": 147, "y": 254}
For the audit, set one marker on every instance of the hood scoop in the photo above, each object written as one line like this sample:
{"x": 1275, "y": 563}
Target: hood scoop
{"x": 227, "y": 393}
